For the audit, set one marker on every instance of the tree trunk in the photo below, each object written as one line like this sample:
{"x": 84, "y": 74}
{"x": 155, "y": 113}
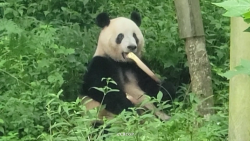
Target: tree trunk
{"x": 239, "y": 92}
{"x": 191, "y": 28}
{"x": 200, "y": 72}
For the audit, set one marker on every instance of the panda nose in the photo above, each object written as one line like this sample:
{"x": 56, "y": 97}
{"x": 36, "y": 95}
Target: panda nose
{"x": 131, "y": 48}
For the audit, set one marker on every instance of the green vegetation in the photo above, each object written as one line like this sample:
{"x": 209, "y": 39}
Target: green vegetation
{"x": 44, "y": 48}
{"x": 237, "y": 9}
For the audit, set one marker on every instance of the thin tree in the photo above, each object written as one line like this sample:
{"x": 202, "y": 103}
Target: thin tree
{"x": 239, "y": 91}
{"x": 191, "y": 29}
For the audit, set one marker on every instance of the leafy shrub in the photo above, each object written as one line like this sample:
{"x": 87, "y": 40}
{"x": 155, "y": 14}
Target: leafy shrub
{"x": 46, "y": 45}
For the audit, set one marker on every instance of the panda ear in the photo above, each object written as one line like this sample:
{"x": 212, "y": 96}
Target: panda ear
{"x": 102, "y": 20}
{"x": 136, "y": 18}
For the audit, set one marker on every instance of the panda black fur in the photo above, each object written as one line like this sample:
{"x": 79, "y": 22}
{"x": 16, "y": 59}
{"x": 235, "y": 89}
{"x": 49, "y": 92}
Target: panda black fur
{"x": 118, "y": 37}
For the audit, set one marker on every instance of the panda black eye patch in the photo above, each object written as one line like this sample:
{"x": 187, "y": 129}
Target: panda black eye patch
{"x": 136, "y": 39}
{"x": 119, "y": 38}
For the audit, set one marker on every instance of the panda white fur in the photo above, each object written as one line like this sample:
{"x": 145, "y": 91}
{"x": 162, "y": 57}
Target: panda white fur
{"x": 118, "y": 37}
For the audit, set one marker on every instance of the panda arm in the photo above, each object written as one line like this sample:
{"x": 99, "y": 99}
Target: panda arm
{"x": 146, "y": 83}
{"x": 151, "y": 87}
{"x": 99, "y": 68}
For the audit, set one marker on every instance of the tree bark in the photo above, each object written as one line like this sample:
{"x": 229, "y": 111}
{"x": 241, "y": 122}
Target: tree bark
{"x": 200, "y": 72}
{"x": 239, "y": 91}
{"x": 191, "y": 28}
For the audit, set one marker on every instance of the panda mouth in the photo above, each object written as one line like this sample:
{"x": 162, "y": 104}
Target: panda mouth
{"x": 124, "y": 54}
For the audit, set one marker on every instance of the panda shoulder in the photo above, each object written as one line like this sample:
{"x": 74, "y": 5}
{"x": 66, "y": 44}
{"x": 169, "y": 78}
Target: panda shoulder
{"x": 98, "y": 63}
{"x": 98, "y": 68}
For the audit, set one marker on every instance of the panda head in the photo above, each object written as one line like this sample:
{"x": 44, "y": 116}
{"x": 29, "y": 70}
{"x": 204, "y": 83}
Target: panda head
{"x": 119, "y": 36}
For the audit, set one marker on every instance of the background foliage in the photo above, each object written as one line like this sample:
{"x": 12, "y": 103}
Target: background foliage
{"x": 237, "y": 9}
{"x": 44, "y": 49}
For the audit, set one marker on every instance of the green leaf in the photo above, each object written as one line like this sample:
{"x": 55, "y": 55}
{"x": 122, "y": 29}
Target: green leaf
{"x": 99, "y": 89}
{"x": 247, "y": 20}
{"x": 9, "y": 26}
{"x": 61, "y": 124}
{"x": 159, "y": 96}
{"x": 45, "y": 13}
{"x": 59, "y": 109}
{"x": 56, "y": 78}
{"x": 85, "y": 2}
{"x": 1, "y": 129}
{"x": 8, "y": 10}
{"x": 3, "y": 4}
{"x": 247, "y": 30}
{"x": 71, "y": 58}
{"x": 243, "y": 68}
{"x": 64, "y": 8}
{"x": 1, "y": 121}
{"x": 66, "y": 110}
{"x": 113, "y": 90}
{"x": 113, "y": 82}
{"x": 247, "y": 15}
{"x": 245, "y": 63}
{"x": 69, "y": 51}
{"x": 59, "y": 93}
{"x": 43, "y": 63}
{"x": 235, "y": 8}
{"x": 2, "y": 62}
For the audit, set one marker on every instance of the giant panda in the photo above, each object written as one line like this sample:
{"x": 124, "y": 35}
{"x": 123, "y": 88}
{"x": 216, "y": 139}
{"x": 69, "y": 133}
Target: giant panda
{"x": 118, "y": 37}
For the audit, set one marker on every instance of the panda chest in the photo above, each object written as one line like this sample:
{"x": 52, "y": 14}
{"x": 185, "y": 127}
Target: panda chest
{"x": 130, "y": 84}
{"x": 128, "y": 76}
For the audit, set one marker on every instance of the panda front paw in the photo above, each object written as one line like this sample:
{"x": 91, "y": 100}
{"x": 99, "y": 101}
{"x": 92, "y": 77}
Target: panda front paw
{"x": 162, "y": 116}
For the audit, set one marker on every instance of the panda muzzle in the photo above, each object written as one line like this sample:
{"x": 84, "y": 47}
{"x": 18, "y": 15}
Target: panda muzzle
{"x": 125, "y": 55}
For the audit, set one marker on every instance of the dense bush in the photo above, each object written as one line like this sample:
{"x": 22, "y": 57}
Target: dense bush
{"x": 45, "y": 46}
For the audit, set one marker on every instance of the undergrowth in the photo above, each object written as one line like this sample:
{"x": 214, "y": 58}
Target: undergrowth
{"x": 46, "y": 45}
